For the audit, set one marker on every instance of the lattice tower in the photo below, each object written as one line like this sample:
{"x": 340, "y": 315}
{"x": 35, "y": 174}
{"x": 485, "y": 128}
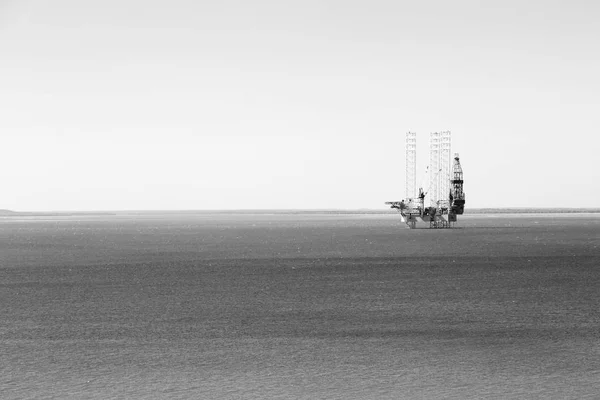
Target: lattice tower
{"x": 434, "y": 166}
{"x": 439, "y": 168}
{"x": 411, "y": 165}
{"x": 444, "y": 176}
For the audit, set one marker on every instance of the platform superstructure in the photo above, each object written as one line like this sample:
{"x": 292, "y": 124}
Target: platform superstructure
{"x": 444, "y": 199}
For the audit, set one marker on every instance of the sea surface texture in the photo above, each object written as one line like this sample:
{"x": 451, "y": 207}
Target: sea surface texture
{"x": 215, "y": 306}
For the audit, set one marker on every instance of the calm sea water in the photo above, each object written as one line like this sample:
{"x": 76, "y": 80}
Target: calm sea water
{"x": 276, "y": 306}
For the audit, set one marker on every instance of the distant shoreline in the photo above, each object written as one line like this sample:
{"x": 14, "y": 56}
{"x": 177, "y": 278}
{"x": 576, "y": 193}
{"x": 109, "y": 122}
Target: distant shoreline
{"x": 9, "y": 213}
{"x": 473, "y": 211}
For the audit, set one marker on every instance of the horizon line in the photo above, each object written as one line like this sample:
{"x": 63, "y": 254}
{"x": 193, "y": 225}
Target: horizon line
{"x": 8, "y": 212}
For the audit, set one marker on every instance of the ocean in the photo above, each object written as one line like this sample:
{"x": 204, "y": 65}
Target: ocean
{"x": 299, "y": 306}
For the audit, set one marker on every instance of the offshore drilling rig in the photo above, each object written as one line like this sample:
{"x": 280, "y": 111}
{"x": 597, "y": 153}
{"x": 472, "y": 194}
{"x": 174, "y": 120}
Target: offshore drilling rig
{"x": 444, "y": 195}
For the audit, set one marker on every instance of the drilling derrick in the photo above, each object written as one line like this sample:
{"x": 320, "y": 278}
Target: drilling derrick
{"x": 457, "y": 196}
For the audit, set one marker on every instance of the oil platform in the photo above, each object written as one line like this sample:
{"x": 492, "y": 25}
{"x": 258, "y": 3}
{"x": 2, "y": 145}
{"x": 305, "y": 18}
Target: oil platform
{"x": 445, "y": 196}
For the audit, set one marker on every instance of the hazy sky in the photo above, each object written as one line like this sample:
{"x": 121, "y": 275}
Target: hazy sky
{"x": 139, "y": 104}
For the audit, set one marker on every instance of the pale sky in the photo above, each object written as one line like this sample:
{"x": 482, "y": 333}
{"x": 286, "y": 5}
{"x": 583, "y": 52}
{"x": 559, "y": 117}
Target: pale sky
{"x": 140, "y": 104}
